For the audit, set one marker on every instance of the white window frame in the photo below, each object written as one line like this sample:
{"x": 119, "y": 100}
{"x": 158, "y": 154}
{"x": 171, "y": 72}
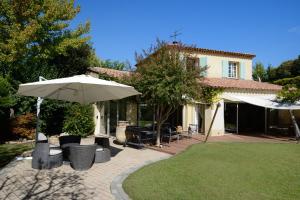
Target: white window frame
{"x": 233, "y": 69}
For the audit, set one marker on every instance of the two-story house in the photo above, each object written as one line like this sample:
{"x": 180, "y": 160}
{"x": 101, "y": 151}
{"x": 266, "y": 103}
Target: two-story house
{"x": 229, "y": 71}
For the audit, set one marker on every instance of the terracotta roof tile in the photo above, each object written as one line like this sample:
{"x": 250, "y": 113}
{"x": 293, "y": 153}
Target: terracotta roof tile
{"x": 240, "y": 84}
{"x": 226, "y": 83}
{"x": 216, "y": 52}
{"x": 111, "y": 72}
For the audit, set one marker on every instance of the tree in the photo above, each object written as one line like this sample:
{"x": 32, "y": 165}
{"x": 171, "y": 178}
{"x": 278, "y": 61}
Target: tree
{"x": 259, "y": 72}
{"x": 115, "y": 65}
{"x": 166, "y": 80}
{"x": 6, "y": 101}
{"x": 34, "y": 33}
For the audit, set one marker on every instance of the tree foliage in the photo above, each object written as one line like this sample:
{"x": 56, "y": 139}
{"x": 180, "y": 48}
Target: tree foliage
{"x": 117, "y": 65}
{"x": 35, "y": 34}
{"x": 36, "y": 40}
{"x": 166, "y": 80}
{"x": 79, "y": 120}
{"x": 259, "y": 73}
{"x": 288, "y": 75}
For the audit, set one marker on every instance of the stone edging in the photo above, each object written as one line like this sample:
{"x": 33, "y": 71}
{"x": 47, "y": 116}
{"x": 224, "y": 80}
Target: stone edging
{"x": 116, "y": 185}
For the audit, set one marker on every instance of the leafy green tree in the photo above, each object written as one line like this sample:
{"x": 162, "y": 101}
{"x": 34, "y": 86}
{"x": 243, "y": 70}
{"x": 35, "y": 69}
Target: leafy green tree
{"x": 36, "y": 32}
{"x": 79, "y": 120}
{"x": 259, "y": 72}
{"x": 6, "y": 102}
{"x": 166, "y": 80}
{"x": 116, "y": 65}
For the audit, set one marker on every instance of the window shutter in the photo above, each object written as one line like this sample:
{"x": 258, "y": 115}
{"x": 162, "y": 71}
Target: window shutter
{"x": 242, "y": 70}
{"x": 225, "y": 68}
{"x": 203, "y": 63}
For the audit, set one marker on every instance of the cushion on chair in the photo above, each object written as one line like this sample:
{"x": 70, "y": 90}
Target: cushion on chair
{"x": 55, "y": 152}
{"x": 99, "y": 148}
{"x": 53, "y": 146}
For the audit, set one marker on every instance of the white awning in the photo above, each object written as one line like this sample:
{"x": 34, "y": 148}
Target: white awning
{"x": 267, "y": 101}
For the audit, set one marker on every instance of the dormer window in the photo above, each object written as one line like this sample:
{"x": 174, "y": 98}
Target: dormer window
{"x": 233, "y": 69}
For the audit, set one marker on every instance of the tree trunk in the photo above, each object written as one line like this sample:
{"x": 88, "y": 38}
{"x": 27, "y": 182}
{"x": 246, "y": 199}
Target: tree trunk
{"x": 158, "y": 135}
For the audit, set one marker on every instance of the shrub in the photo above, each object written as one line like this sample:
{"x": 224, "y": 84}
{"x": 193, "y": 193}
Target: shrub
{"x": 79, "y": 120}
{"x": 52, "y": 116}
{"x": 23, "y": 126}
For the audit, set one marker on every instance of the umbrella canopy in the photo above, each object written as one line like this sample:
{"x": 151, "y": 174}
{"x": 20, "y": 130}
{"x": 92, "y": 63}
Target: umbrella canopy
{"x": 83, "y": 89}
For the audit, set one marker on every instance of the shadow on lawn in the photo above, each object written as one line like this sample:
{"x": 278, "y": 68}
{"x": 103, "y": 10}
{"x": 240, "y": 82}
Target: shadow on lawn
{"x": 45, "y": 184}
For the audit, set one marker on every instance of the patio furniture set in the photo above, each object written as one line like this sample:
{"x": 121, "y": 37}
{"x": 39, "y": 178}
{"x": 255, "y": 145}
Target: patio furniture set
{"x": 80, "y": 157}
{"x": 138, "y": 136}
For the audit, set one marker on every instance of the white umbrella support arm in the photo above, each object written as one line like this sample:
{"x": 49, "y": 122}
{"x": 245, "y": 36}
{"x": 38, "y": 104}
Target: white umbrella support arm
{"x": 297, "y": 131}
{"x": 38, "y": 110}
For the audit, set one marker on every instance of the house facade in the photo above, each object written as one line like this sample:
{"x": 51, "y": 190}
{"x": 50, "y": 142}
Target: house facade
{"x": 229, "y": 71}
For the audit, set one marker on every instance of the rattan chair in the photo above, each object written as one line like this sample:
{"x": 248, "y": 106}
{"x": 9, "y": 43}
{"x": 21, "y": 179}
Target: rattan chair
{"x": 82, "y": 156}
{"x": 45, "y": 158}
{"x": 69, "y": 139}
{"x": 103, "y": 152}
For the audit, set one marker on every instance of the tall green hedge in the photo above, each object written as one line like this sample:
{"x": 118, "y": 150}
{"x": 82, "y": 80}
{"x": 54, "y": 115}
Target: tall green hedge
{"x": 79, "y": 120}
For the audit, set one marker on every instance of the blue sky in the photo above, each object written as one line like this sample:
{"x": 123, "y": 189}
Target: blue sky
{"x": 269, "y": 29}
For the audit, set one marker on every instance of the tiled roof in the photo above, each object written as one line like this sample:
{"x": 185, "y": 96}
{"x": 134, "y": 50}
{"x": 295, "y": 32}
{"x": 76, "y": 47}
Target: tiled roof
{"x": 226, "y": 83}
{"x": 215, "y": 52}
{"x": 111, "y": 72}
{"x": 229, "y": 83}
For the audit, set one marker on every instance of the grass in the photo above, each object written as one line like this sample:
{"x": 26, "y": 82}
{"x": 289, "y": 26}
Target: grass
{"x": 9, "y": 151}
{"x": 222, "y": 171}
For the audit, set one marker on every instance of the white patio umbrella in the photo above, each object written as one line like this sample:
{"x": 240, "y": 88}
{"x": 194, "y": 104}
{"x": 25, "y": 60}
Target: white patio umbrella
{"x": 83, "y": 89}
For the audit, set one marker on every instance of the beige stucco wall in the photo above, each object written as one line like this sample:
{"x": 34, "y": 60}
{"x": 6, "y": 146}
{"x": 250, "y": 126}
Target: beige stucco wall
{"x": 218, "y": 127}
{"x": 188, "y": 116}
{"x": 214, "y": 64}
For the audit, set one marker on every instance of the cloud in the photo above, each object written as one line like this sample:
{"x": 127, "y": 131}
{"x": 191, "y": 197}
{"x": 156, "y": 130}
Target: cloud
{"x": 295, "y": 29}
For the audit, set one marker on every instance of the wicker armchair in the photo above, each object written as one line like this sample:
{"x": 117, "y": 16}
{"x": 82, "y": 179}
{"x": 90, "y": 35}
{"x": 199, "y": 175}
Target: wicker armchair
{"x": 69, "y": 139}
{"x": 103, "y": 152}
{"x": 82, "y": 156}
{"x": 45, "y": 158}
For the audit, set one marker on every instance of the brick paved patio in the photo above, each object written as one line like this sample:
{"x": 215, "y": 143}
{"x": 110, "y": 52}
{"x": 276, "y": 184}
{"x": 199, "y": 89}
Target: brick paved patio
{"x": 19, "y": 181}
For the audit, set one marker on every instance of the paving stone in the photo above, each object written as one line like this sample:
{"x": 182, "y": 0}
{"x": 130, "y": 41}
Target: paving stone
{"x": 18, "y": 180}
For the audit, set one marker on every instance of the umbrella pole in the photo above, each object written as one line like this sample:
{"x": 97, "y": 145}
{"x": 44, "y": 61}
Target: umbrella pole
{"x": 38, "y": 109}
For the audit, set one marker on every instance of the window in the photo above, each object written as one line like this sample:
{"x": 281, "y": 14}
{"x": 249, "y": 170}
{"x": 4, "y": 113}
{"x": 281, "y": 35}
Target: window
{"x": 192, "y": 63}
{"x": 233, "y": 70}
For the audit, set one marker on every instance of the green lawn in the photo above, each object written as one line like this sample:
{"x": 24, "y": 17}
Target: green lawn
{"x": 222, "y": 171}
{"x": 10, "y": 151}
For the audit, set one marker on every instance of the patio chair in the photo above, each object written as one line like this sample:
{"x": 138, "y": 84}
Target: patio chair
{"x": 193, "y": 129}
{"x": 103, "y": 152}
{"x": 42, "y": 138}
{"x": 182, "y": 133}
{"x": 102, "y": 141}
{"x": 169, "y": 134}
{"x": 65, "y": 142}
{"x": 69, "y": 139}
{"x": 82, "y": 156}
{"x": 45, "y": 158}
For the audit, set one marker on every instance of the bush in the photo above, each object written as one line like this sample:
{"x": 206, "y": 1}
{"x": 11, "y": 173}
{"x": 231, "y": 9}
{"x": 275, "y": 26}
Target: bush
{"x": 23, "y": 126}
{"x": 79, "y": 120}
{"x": 52, "y": 116}
{"x": 289, "y": 81}
{"x": 6, "y": 102}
